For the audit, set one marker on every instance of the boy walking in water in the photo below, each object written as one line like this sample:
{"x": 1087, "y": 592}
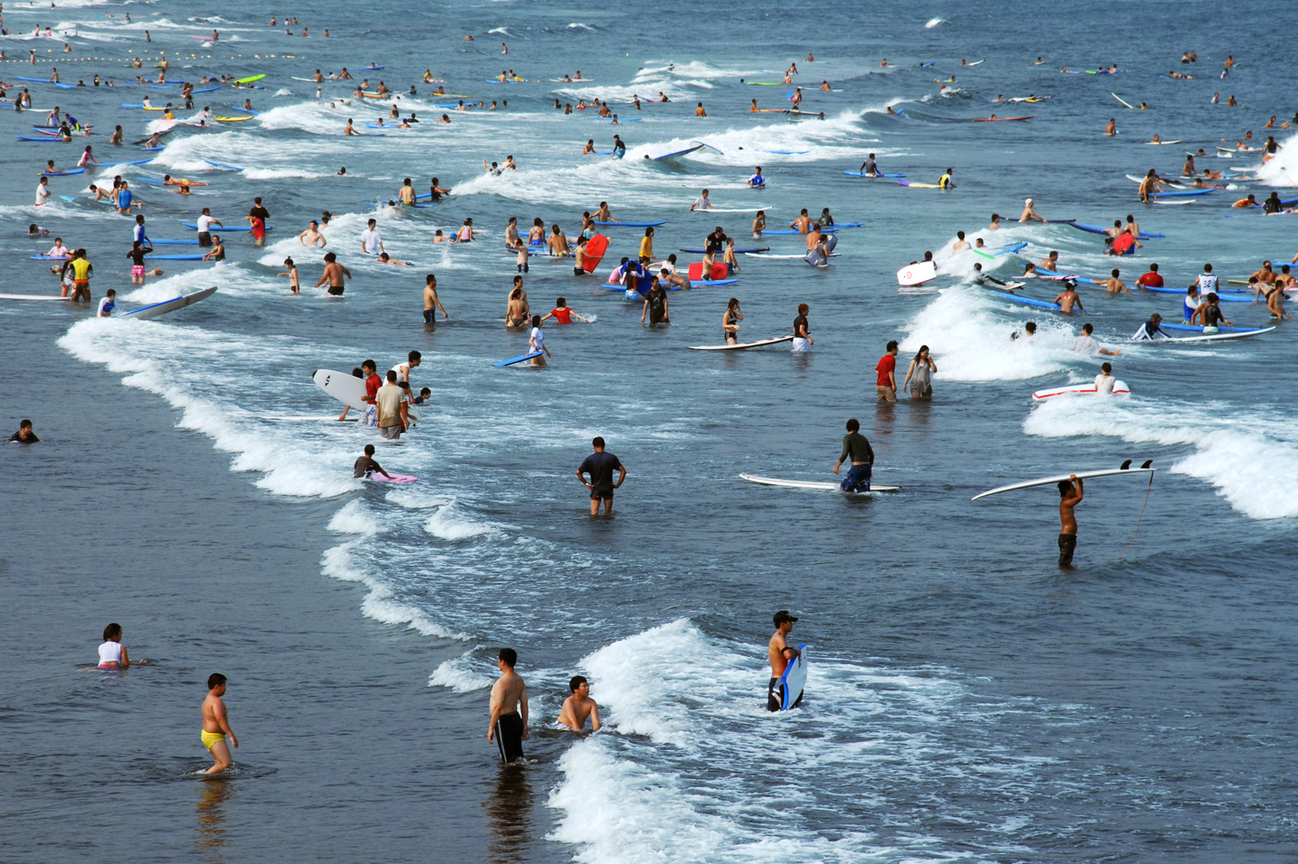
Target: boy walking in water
{"x": 1070, "y": 495}
{"x": 780, "y": 654}
{"x": 216, "y": 725}
{"x": 508, "y": 727}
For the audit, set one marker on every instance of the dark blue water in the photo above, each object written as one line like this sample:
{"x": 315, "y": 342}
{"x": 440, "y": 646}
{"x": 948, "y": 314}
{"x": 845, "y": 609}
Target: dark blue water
{"x": 967, "y": 698}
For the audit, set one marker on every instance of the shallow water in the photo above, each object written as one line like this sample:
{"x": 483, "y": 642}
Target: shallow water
{"x": 967, "y": 699}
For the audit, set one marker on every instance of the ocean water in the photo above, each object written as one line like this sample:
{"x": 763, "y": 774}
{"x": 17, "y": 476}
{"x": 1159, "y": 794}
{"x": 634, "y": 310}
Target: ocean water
{"x": 967, "y": 699}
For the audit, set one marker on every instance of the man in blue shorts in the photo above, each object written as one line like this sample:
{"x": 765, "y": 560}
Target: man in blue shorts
{"x": 856, "y": 447}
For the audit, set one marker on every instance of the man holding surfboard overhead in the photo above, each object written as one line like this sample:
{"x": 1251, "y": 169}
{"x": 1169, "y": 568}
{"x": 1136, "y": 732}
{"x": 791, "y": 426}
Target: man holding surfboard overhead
{"x": 779, "y": 653}
{"x": 1070, "y": 495}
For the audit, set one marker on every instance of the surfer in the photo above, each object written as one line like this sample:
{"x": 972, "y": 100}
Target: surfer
{"x": 919, "y": 375}
{"x": 757, "y": 181}
{"x": 1114, "y": 284}
{"x": 579, "y": 707}
{"x": 393, "y": 418}
{"x": 335, "y": 274}
{"x": 562, "y": 314}
{"x": 1150, "y": 331}
{"x": 431, "y": 303}
{"x": 600, "y": 466}
{"x": 365, "y": 465}
{"x": 1051, "y": 262}
{"x": 945, "y": 181}
{"x": 1209, "y": 314}
{"x": 24, "y": 435}
{"x": 537, "y": 342}
{"x": 802, "y": 223}
{"x": 1275, "y": 304}
{"x": 508, "y": 725}
{"x": 730, "y": 322}
{"x": 869, "y": 167}
{"x": 1070, "y": 495}
{"x": 779, "y": 653}
{"x": 1068, "y": 298}
{"x": 1030, "y": 214}
{"x": 1112, "y": 128}
{"x": 1087, "y": 345}
{"x": 701, "y": 203}
{"x": 886, "y": 374}
{"x": 371, "y": 239}
{"x": 216, "y": 725}
{"x": 801, "y": 335}
{"x": 759, "y": 225}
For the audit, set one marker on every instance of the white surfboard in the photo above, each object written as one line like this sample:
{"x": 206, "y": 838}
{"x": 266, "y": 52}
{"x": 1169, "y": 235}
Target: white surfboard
{"x": 1211, "y": 337}
{"x": 811, "y": 484}
{"x": 1119, "y": 389}
{"x": 156, "y": 309}
{"x": 1081, "y": 475}
{"x": 917, "y": 274}
{"x": 30, "y": 297}
{"x": 739, "y": 346}
{"x": 794, "y": 679}
{"x": 341, "y": 386}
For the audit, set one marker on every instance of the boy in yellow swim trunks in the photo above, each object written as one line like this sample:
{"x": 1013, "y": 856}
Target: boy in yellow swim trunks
{"x": 216, "y": 725}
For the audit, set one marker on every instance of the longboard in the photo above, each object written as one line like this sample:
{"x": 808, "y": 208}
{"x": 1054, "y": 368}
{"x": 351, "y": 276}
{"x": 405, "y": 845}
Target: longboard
{"x": 156, "y": 309}
{"x": 741, "y": 345}
{"x": 30, "y": 297}
{"x": 811, "y": 484}
{"x": 794, "y": 679}
{"x": 1211, "y": 337}
{"x": 1081, "y": 475}
{"x": 392, "y": 478}
{"x": 346, "y": 388}
{"x": 511, "y": 361}
{"x": 1119, "y": 389}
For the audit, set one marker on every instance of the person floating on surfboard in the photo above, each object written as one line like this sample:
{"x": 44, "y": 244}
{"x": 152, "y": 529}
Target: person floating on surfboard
{"x": 780, "y": 654}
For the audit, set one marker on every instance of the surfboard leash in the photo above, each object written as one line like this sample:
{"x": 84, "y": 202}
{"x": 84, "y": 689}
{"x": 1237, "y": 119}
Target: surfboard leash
{"x": 1148, "y": 490}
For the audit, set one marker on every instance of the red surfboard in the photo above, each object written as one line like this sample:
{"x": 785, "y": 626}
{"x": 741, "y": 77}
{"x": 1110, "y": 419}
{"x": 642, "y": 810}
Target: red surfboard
{"x": 595, "y": 247}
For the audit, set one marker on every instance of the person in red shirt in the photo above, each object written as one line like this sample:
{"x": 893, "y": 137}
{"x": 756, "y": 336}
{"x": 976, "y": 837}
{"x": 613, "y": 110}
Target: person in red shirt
{"x": 258, "y": 231}
{"x": 1150, "y": 279}
{"x": 886, "y": 385}
{"x": 372, "y": 384}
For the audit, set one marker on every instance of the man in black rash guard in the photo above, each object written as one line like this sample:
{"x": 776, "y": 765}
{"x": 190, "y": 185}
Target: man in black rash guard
{"x": 365, "y": 465}
{"x": 857, "y": 447}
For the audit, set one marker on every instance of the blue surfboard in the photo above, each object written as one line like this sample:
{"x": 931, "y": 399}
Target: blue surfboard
{"x": 794, "y": 680}
{"x": 519, "y": 359}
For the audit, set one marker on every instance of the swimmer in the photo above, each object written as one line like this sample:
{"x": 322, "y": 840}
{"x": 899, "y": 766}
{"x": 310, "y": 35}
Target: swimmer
{"x": 366, "y": 467}
{"x": 216, "y": 725}
{"x": 1029, "y": 213}
{"x": 312, "y": 236}
{"x": 112, "y": 653}
{"x": 508, "y": 725}
{"x": 579, "y": 707}
{"x": 1068, "y": 298}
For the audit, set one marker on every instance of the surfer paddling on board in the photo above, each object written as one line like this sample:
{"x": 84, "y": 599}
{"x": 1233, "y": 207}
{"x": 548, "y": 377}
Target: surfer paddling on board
{"x": 508, "y": 726}
{"x": 856, "y": 447}
{"x": 780, "y": 654}
{"x": 1070, "y": 495}
{"x": 366, "y": 466}
{"x": 578, "y": 707}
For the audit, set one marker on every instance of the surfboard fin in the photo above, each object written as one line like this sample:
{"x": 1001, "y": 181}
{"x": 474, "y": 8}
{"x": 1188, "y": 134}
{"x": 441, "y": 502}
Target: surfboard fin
{"x": 1148, "y": 462}
{"x": 1125, "y": 465}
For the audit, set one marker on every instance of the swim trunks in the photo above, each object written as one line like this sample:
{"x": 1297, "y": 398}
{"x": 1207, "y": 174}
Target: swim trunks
{"x": 210, "y": 738}
{"x": 509, "y": 737}
{"x": 430, "y": 316}
{"x": 336, "y": 290}
{"x": 390, "y": 432}
{"x": 800, "y": 344}
{"x": 204, "y": 238}
{"x": 137, "y": 270}
{"x": 775, "y": 696}
{"x": 1067, "y": 545}
{"x": 858, "y": 479}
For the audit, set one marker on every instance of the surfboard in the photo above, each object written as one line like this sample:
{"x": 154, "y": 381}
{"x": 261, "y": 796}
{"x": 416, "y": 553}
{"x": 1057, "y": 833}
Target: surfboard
{"x": 346, "y": 388}
{"x": 1210, "y": 337}
{"x": 1081, "y": 475}
{"x": 595, "y": 248}
{"x": 917, "y": 274}
{"x": 737, "y": 251}
{"x": 1026, "y": 301}
{"x": 376, "y": 477}
{"x": 29, "y": 297}
{"x": 66, "y": 173}
{"x": 156, "y": 309}
{"x": 1119, "y": 389}
{"x": 1124, "y": 102}
{"x": 231, "y": 230}
{"x": 741, "y": 345}
{"x": 998, "y": 119}
{"x": 811, "y": 484}
{"x": 918, "y": 185}
{"x": 1199, "y": 329}
{"x": 220, "y": 165}
{"x": 794, "y": 679}
{"x": 677, "y": 153}
{"x": 519, "y": 359}
{"x": 786, "y": 232}
{"x": 250, "y": 79}
{"x": 874, "y": 176}
{"x": 630, "y": 225}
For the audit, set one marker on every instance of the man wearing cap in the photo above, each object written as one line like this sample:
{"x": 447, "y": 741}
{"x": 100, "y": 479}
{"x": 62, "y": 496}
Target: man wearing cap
{"x": 1150, "y": 331}
{"x": 1029, "y": 214}
{"x": 780, "y": 654}
{"x": 1068, "y": 298}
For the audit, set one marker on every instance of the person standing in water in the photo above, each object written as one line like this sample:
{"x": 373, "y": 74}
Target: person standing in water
{"x": 578, "y": 707}
{"x": 857, "y": 448}
{"x": 802, "y": 340}
{"x": 1070, "y": 495}
{"x": 112, "y": 653}
{"x": 600, "y": 466}
{"x": 508, "y": 726}
{"x": 780, "y": 654}
{"x": 216, "y": 725}
{"x": 431, "y": 303}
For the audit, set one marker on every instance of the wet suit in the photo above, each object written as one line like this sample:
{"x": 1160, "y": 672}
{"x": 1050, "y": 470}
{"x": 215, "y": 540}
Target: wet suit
{"x": 509, "y": 737}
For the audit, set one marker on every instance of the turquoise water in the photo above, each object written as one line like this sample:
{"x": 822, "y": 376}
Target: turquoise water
{"x": 967, "y": 699}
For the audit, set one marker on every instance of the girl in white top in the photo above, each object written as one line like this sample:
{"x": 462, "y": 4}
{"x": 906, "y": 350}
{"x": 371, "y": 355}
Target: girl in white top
{"x": 112, "y": 654}
{"x": 537, "y": 341}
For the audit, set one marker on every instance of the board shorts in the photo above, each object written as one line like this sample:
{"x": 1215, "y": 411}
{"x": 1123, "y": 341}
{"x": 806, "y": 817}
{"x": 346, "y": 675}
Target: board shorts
{"x": 1067, "y": 546}
{"x": 204, "y": 238}
{"x": 509, "y": 737}
{"x": 137, "y": 269}
{"x": 775, "y": 696}
{"x": 800, "y": 344}
{"x": 210, "y": 738}
{"x": 430, "y": 316}
{"x": 336, "y": 290}
{"x": 886, "y": 394}
{"x": 605, "y": 493}
{"x": 858, "y": 479}
{"x": 392, "y": 433}
{"x": 577, "y": 271}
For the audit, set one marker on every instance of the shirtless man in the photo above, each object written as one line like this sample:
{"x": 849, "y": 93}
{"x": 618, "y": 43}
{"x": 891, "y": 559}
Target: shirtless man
{"x": 312, "y": 235}
{"x": 407, "y": 193}
{"x": 779, "y": 653}
{"x": 216, "y": 725}
{"x": 431, "y": 303}
{"x": 802, "y": 223}
{"x": 508, "y": 726}
{"x": 1029, "y": 214}
{"x": 960, "y": 243}
{"x": 1070, "y": 495}
{"x": 1265, "y": 278}
{"x": 1051, "y": 262}
{"x": 335, "y": 274}
{"x": 579, "y": 706}
{"x": 1114, "y": 284}
{"x": 1068, "y": 298}
{"x": 1150, "y": 185}
{"x": 603, "y": 214}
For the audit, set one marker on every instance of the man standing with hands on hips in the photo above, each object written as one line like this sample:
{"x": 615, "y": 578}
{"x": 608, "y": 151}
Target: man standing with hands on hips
{"x": 600, "y": 466}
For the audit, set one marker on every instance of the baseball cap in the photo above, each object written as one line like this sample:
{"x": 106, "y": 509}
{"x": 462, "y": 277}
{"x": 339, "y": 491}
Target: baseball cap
{"x": 782, "y": 616}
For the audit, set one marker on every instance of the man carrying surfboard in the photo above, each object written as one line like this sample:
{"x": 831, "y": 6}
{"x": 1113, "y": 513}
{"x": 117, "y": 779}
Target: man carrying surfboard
{"x": 779, "y": 653}
{"x": 1070, "y": 495}
{"x": 856, "y": 447}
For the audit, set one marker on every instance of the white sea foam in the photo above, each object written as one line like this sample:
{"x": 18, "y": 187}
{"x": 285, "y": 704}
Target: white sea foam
{"x": 1251, "y": 468}
{"x": 341, "y": 563}
{"x": 933, "y": 22}
{"x": 446, "y": 526}
{"x": 462, "y": 675}
{"x": 355, "y": 517}
{"x": 1282, "y": 168}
